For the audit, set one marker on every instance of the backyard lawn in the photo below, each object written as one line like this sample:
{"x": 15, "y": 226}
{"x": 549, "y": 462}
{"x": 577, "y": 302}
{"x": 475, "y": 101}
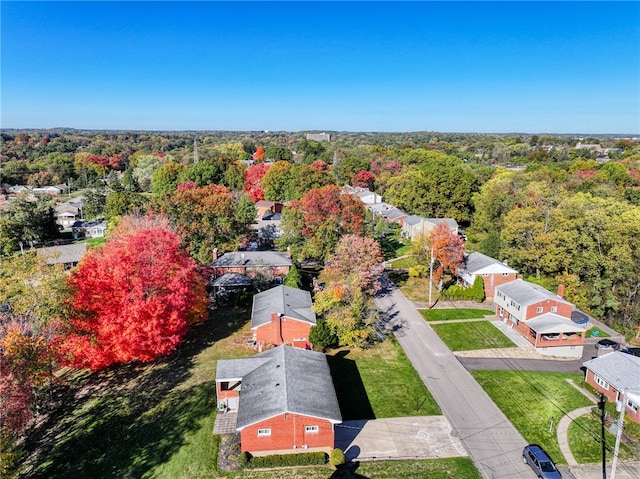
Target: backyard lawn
{"x": 471, "y": 335}
{"x": 534, "y": 401}
{"x": 455, "y": 313}
{"x": 156, "y": 420}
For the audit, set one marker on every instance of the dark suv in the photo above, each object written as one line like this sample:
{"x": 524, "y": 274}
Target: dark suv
{"x": 540, "y": 462}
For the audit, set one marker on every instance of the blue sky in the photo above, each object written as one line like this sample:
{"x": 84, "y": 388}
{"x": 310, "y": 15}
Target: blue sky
{"x": 539, "y": 67}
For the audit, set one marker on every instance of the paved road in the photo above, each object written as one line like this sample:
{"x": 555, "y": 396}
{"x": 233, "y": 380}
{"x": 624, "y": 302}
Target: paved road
{"x": 511, "y": 364}
{"x": 491, "y": 440}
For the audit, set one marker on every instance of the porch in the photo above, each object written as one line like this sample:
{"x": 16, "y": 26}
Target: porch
{"x": 225, "y": 422}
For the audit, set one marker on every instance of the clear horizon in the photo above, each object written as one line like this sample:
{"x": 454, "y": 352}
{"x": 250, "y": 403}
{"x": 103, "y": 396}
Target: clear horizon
{"x": 380, "y": 67}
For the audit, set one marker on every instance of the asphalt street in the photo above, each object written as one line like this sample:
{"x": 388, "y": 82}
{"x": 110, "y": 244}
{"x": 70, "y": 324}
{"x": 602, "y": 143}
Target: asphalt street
{"x": 492, "y": 442}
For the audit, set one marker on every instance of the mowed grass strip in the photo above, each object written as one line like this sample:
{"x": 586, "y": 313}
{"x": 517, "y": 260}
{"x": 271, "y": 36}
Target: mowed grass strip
{"x": 534, "y": 402}
{"x": 447, "y": 314}
{"x": 585, "y": 443}
{"x": 468, "y": 336}
{"x": 379, "y": 382}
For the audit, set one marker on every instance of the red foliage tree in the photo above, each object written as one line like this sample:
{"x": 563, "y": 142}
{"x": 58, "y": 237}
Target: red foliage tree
{"x": 320, "y": 165}
{"x": 448, "y": 250}
{"x": 328, "y": 214}
{"x": 252, "y": 178}
{"x": 363, "y": 179}
{"x": 134, "y": 299}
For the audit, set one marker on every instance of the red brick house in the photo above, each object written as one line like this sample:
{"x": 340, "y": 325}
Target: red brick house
{"x": 284, "y": 398}
{"x": 282, "y": 315}
{"x": 493, "y": 272}
{"x": 252, "y": 263}
{"x": 542, "y": 317}
{"x": 616, "y": 374}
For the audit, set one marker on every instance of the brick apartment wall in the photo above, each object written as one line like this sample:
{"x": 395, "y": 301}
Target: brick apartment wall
{"x": 564, "y": 309}
{"x": 287, "y": 431}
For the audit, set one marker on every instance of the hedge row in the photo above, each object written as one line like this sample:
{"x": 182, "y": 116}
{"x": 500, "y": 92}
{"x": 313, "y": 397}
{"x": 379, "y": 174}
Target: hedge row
{"x": 283, "y": 460}
{"x": 458, "y": 293}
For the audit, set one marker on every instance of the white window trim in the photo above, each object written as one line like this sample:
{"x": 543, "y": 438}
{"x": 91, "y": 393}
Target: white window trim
{"x": 554, "y": 309}
{"x": 539, "y": 309}
{"x": 264, "y": 432}
{"x": 601, "y": 382}
{"x": 311, "y": 429}
{"x": 632, "y": 405}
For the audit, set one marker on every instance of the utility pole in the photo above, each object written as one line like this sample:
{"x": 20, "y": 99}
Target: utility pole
{"x": 601, "y": 404}
{"x": 195, "y": 151}
{"x": 430, "y": 276}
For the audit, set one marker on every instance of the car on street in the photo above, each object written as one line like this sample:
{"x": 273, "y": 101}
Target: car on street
{"x": 540, "y": 462}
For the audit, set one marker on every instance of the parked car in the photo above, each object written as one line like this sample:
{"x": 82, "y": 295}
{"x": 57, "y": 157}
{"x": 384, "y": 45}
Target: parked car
{"x": 540, "y": 462}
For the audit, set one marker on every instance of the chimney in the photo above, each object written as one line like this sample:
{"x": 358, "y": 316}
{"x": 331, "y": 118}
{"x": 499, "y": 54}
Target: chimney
{"x": 561, "y": 290}
{"x": 288, "y": 251}
{"x": 276, "y": 323}
{"x": 215, "y": 254}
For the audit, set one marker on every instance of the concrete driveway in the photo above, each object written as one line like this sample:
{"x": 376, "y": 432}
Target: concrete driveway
{"x": 422, "y": 437}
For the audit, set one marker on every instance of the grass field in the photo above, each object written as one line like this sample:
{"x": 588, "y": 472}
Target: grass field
{"x": 156, "y": 420}
{"x": 532, "y": 400}
{"x": 467, "y": 336}
{"x": 455, "y": 313}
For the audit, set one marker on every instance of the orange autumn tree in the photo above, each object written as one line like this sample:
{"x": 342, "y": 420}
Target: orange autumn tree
{"x": 448, "y": 251}
{"x": 134, "y": 300}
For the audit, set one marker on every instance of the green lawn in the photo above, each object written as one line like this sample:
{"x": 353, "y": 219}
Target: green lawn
{"x": 455, "y": 313}
{"x": 156, "y": 420}
{"x": 531, "y": 400}
{"x": 378, "y": 383}
{"x": 467, "y": 336}
{"x": 596, "y": 332}
{"x": 584, "y": 440}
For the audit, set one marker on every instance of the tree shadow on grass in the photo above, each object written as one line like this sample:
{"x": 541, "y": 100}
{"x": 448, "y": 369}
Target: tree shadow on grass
{"x": 350, "y": 390}
{"x": 347, "y": 471}
{"x": 125, "y": 420}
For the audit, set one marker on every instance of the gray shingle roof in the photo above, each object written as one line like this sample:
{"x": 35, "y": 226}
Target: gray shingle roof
{"x": 286, "y": 379}
{"x": 525, "y": 293}
{"x": 619, "y": 369}
{"x": 450, "y": 222}
{"x": 251, "y": 259}
{"x": 550, "y": 323}
{"x": 292, "y": 302}
{"x": 413, "y": 220}
{"x": 393, "y": 213}
{"x": 68, "y": 253}
{"x": 478, "y": 261}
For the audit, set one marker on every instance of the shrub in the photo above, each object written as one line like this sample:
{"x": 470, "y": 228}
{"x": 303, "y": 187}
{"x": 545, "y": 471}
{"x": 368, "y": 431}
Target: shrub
{"x": 244, "y": 459}
{"x": 322, "y": 335}
{"x": 285, "y": 460}
{"x": 418, "y": 271}
{"x": 475, "y": 293}
{"x": 337, "y": 457}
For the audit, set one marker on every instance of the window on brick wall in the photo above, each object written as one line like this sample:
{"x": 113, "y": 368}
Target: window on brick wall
{"x": 631, "y": 405}
{"x": 311, "y": 429}
{"x": 539, "y": 309}
{"x": 554, "y": 309}
{"x": 601, "y": 382}
{"x": 264, "y": 432}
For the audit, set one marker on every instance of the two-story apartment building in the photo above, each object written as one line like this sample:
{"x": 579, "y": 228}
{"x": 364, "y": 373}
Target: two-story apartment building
{"x": 544, "y": 318}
